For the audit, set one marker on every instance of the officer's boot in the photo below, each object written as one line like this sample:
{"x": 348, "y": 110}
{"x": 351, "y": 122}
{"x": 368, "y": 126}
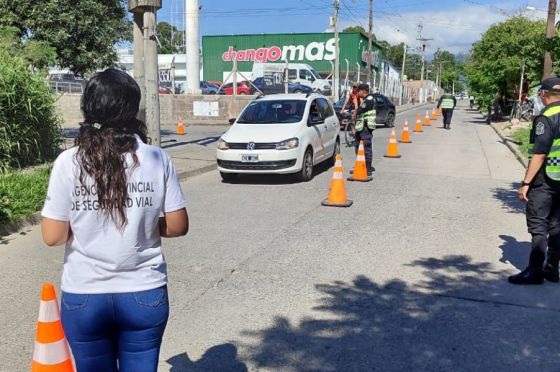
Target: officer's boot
{"x": 533, "y": 274}
{"x": 550, "y": 270}
{"x": 369, "y": 169}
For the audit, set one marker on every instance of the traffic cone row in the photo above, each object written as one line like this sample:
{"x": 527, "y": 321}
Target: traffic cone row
{"x": 392, "y": 147}
{"x": 51, "y": 352}
{"x": 405, "y": 134}
{"x": 360, "y": 167}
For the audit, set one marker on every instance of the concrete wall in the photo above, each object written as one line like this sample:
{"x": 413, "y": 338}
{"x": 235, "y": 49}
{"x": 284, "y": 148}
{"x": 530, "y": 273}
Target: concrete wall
{"x": 199, "y": 109}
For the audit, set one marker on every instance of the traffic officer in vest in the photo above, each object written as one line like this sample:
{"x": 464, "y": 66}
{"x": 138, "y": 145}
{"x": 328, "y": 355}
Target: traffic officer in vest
{"x": 365, "y": 124}
{"x": 540, "y": 189}
{"x": 447, "y": 102}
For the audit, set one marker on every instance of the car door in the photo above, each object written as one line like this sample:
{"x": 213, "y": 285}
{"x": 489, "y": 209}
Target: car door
{"x": 329, "y": 127}
{"x": 315, "y": 130}
{"x": 381, "y": 108}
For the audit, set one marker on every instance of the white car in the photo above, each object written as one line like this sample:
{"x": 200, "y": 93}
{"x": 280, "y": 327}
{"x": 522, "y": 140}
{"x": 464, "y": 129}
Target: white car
{"x": 280, "y": 133}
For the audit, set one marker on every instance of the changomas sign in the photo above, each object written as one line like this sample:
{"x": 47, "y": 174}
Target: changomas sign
{"x": 314, "y": 51}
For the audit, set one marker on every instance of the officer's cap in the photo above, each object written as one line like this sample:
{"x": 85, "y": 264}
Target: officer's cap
{"x": 550, "y": 83}
{"x": 363, "y": 87}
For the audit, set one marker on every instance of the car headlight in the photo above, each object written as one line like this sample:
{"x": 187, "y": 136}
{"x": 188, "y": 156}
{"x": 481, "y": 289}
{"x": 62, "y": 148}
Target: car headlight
{"x": 223, "y": 145}
{"x": 288, "y": 144}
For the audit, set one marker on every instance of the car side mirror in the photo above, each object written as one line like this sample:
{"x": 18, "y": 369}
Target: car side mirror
{"x": 314, "y": 120}
{"x": 232, "y": 120}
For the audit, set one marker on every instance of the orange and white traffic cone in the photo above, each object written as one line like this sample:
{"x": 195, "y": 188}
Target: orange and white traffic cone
{"x": 434, "y": 115}
{"x": 360, "y": 167}
{"x": 405, "y": 134}
{"x": 51, "y": 352}
{"x": 180, "y": 127}
{"x": 392, "y": 147}
{"x": 427, "y": 119}
{"x": 418, "y": 127}
{"x": 337, "y": 192}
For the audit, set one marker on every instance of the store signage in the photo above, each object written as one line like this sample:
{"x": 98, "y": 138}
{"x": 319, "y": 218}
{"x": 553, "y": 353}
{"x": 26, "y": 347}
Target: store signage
{"x": 314, "y": 51}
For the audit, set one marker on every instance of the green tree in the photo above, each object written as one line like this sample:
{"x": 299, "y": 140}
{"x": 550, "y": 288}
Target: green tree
{"x": 355, "y": 29}
{"x": 36, "y": 53}
{"x": 170, "y": 38}
{"x": 83, "y": 33}
{"x": 494, "y": 64}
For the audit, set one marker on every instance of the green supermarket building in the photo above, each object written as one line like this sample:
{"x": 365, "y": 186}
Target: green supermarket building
{"x": 314, "y": 49}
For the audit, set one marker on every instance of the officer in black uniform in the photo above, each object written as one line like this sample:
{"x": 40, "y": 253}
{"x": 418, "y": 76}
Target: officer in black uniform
{"x": 365, "y": 124}
{"x": 540, "y": 189}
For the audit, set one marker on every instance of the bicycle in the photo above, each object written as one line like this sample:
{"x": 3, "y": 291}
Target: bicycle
{"x": 348, "y": 124}
{"x": 523, "y": 111}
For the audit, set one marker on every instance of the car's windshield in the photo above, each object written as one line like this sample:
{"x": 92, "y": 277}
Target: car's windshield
{"x": 315, "y": 74}
{"x": 269, "y": 112}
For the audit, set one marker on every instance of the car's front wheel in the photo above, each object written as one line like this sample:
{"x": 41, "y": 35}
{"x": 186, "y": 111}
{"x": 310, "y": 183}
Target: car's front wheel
{"x": 297, "y": 91}
{"x": 306, "y": 172}
{"x": 390, "y": 123}
{"x": 335, "y": 152}
{"x": 228, "y": 177}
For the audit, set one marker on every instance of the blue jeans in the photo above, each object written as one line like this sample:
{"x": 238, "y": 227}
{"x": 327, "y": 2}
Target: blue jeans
{"x": 125, "y": 327}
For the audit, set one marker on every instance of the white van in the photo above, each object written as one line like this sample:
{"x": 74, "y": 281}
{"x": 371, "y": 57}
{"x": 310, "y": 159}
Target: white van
{"x": 300, "y": 73}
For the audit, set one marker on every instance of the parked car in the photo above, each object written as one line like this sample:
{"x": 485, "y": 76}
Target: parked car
{"x": 164, "y": 90}
{"x": 66, "y": 83}
{"x": 267, "y": 87}
{"x": 283, "y": 133}
{"x": 386, "y": 111}
{"x": 208, "y": 88}
{"x": 243, "y": 88}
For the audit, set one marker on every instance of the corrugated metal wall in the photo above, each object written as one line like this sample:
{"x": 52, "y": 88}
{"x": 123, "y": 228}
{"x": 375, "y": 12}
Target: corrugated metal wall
{"x": 352, "y": 44}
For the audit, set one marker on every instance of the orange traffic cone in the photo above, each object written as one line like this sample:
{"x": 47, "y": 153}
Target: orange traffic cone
{"x": 418, "y": 127}
{"x": 360, "y": 168}
{"x": 392, "y": 147}
{"x": 427, "y": 119}
{"x": 434, "y": 115}
{"x": 51, "y": 353}
{"x": 180, "y": 127}
{"x": 405, "y": 134}
{"x": 337, "y": 191}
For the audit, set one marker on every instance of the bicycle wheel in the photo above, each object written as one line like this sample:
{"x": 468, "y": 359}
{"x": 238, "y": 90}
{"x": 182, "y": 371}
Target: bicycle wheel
{"x": 514, "y": 112}
{"x": 348, "y": 137}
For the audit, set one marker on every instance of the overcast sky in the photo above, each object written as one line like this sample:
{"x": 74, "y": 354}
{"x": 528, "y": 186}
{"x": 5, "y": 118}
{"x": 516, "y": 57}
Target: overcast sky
{"x": 453, "y": 24}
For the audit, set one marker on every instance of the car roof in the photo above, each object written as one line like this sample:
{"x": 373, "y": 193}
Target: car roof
{"x": 291, "y": 96}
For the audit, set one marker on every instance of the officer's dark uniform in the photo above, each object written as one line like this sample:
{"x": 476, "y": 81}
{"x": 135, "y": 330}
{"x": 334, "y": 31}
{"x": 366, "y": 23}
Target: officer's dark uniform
{"x": 543, "y": 206}
{"x": 447, "y": 102}
{"x": 366, "y": 113}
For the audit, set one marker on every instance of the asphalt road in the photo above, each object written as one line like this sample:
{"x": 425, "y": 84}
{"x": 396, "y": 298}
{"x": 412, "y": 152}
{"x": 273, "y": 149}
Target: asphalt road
{"x": 411, "y": 277}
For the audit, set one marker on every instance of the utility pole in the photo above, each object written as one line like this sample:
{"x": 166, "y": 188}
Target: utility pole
{"x": 521, "y": 82}
{"x": 370, "y": 41}
{"x": 193, "y": 47}
{"x": 146, "y": 57}
{"x": 336, "y": 76}
{"x": 423, "y": 42}
{"x": 550, "y": 31}
{"x": 402, "y": 74}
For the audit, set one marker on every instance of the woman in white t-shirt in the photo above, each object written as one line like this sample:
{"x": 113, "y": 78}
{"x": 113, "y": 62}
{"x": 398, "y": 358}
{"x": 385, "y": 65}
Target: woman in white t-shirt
{"x": 110, "y": 200}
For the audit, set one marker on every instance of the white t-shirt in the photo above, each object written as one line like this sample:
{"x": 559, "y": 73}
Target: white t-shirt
{"x": 99, "y": 258}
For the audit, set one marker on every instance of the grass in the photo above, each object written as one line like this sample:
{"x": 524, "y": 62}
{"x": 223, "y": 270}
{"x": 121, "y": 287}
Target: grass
{"x": 22, "y": 193}
{"x": 521, "y": 137}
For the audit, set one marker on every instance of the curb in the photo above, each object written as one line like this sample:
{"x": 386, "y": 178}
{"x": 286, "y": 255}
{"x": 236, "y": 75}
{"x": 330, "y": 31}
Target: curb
{"x": 19, "y": 224}
{"x": 510, "y": 145}
{"x": 183, "y": 176}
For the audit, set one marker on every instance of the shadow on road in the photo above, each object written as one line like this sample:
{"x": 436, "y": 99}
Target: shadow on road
{"x": 509, "y": 198}
{"x": 515, "y": 252}
{"x": 217, "y": 358}
{"x": 435, "y": 325}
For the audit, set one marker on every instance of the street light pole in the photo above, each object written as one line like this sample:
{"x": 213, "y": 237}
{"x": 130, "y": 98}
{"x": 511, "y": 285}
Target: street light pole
{"x": 336, "y": 76}
{"x": 549, "y": 35}
{"x": 402, "y": 74}
{"x": 370, "y": 37}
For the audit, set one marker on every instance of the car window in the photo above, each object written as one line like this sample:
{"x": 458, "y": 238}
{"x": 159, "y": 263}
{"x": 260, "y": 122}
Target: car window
{"x": 315, "y": 110}
{"x": 306, "y": 75}
{"x": 273, "y": 112}
{"x": 379, "y": 100}
{"x": 292, "y": 74}
{"x": 326, "y": 108}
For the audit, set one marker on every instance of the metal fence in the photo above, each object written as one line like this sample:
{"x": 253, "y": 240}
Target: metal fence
{"x": 66, "y": 87}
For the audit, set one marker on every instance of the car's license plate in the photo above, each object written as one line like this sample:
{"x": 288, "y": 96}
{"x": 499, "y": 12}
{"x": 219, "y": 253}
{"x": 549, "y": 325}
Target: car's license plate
{"x": 249, "y": 158}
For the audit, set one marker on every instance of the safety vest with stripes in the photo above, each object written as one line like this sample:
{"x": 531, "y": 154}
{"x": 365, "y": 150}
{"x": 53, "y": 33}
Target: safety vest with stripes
{"x": 367, "y": 116}
{"x": 447, "y": 103}
{"x": 552, "y": 168}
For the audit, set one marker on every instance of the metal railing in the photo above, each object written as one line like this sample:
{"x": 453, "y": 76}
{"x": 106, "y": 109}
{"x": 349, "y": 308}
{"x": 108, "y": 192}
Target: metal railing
{"x": 66, "y": 87}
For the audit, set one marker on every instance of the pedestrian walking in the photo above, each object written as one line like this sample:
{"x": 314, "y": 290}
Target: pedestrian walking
{"x": 104, "y": 202}
{"x": 540, "y": 189}
{"x": 447, "y": 102}
{"x": 413, "y": 98}
{"x": 365, "y": 124}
